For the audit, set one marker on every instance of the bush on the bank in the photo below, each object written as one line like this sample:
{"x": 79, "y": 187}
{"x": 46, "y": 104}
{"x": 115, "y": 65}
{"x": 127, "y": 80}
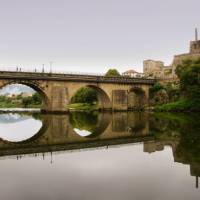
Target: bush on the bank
{"x": 35, "y": 99}
{"x": 179, "y": 106}
{"x": 159, "y": 97}
{"x": 156, "y": 87}
{"x": 26, "y": 101}
{"x": 158, "y": 94}
{"x": 85, "y": 95}
{"x": 173, "y": 92}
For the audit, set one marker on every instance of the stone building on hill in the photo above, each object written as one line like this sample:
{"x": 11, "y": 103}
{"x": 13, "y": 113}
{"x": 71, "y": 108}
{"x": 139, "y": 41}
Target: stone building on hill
{"x": 157, "y": 69}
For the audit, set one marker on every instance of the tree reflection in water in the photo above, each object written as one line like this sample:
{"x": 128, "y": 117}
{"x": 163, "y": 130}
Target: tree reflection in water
{"x": 84, "y": 123}
{"x": 89, "y": 124}
{"x": 183, "y": 131}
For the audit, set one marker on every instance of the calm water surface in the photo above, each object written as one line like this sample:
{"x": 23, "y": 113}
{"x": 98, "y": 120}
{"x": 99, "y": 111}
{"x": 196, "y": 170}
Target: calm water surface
{"x": 96, "y": 156}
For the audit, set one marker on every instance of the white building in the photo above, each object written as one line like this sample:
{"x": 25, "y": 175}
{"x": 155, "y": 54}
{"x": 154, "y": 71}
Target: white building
{"x": 133, "y": 74}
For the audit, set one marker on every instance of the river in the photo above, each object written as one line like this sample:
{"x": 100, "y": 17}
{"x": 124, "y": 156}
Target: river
{"x": 97, "y": 156}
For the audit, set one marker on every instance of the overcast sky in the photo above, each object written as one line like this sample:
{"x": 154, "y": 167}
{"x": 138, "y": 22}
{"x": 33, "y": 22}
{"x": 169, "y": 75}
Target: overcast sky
{"x": 94, "y": 35}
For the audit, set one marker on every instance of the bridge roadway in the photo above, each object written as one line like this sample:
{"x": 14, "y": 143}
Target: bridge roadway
{"x": 114, "y": 93}
{"x": 72, "y": 77}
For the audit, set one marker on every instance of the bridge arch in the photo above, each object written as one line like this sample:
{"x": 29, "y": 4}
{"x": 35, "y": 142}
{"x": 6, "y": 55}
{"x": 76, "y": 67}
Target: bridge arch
{"x": 33, "y": 85}
{"x": 137, "y": 98}
{"x": 104, "y": 100}
{"x": 46, "y": 122}
{"x": 89, "y": 125}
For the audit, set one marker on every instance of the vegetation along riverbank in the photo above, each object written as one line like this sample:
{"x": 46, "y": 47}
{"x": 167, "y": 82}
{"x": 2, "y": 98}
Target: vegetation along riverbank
{"x": 19, "y": 101}
{"x": 182, "y": 95}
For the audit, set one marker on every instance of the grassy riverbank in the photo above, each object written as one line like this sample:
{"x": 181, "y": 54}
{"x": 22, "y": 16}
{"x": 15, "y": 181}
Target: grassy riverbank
{"x": 18, "y": 105}
{"x": 18, "y": 101}
{"x": 83, "y": 106}
{"x": 182, "y": 95}
{"x": 179, "y": 106}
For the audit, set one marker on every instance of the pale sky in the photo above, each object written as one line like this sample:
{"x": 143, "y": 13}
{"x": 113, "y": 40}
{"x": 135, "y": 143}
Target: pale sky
{"x": 94, "y": 35}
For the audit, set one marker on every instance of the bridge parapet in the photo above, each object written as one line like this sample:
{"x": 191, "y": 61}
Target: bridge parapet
{"x": 73, "y": 77}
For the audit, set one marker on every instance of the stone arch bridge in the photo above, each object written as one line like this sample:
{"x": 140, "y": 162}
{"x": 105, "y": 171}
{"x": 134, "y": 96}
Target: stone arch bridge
{"x": 56, "y": 90}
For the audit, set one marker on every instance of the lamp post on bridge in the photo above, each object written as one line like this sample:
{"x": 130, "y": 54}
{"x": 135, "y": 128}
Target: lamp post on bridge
{"x": 51, "y": 63}
{"x": 42, "y": 68}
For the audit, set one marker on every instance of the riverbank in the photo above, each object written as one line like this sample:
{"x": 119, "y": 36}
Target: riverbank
{"x": 19, "y": 101}
{"x": 4, "y": 105}
{"x": 83, "y": 107}
{"x": 179, "y": 106}
{"x": 20, "y": 110}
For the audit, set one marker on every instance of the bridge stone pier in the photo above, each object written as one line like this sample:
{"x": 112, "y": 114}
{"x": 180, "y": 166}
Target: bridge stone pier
{"x": 56, "y": 90}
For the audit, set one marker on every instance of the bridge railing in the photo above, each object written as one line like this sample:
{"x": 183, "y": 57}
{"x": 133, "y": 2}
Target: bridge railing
{"x": 22, "y": 72}
{"x": 44, "y": 71}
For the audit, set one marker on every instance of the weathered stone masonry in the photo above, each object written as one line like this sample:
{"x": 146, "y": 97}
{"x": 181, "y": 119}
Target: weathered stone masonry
{"x": 58, "y": 89}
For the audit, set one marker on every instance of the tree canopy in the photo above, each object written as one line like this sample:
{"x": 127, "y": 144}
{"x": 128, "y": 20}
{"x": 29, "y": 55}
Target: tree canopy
{"x": 189, "y": 75}
{"x": 32, "y": 100}
{"x": 85, "y": 95}
{"x": 112, "y": 72}
{"x": 156, "y": 87}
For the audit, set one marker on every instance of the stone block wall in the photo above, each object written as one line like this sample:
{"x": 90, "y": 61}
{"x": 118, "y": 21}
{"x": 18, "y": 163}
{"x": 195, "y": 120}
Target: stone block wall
{"x": 157, "y": 69}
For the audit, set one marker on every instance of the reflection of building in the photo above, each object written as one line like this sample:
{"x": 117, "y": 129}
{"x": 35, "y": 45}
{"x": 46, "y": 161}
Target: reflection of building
{"x": 132, "y": 73}
{"x": 154, "y": 68}
{"x": 153, "y": 146}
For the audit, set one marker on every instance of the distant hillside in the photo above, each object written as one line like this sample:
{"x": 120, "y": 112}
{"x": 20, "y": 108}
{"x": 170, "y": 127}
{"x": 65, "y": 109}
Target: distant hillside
{"x": 16, "y": 89}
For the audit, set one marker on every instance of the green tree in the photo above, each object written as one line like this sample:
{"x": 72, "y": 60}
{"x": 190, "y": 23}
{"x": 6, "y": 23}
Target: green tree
{"x": 112, "y": 72}
{"x": 184, "y": 65}
{"x": 156, "y": 87}
{"x": 85, "y": 95}
{"x": 26, "y": 101}
{"x": 189, "y": 74}
{"x": 19, "y": 97}
{"x": 173, "y": 92}
{"x": 36, "y": 99}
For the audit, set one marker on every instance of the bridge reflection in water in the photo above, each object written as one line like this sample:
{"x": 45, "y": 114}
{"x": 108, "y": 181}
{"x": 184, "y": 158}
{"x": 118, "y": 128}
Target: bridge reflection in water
{"x": 62, "y": 132}
{"x": 92, "y": 130}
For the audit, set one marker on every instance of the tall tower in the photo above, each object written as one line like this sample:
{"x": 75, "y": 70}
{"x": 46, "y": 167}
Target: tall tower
{"x": 196, "y": 34}
{"x": 195, "y": 45}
